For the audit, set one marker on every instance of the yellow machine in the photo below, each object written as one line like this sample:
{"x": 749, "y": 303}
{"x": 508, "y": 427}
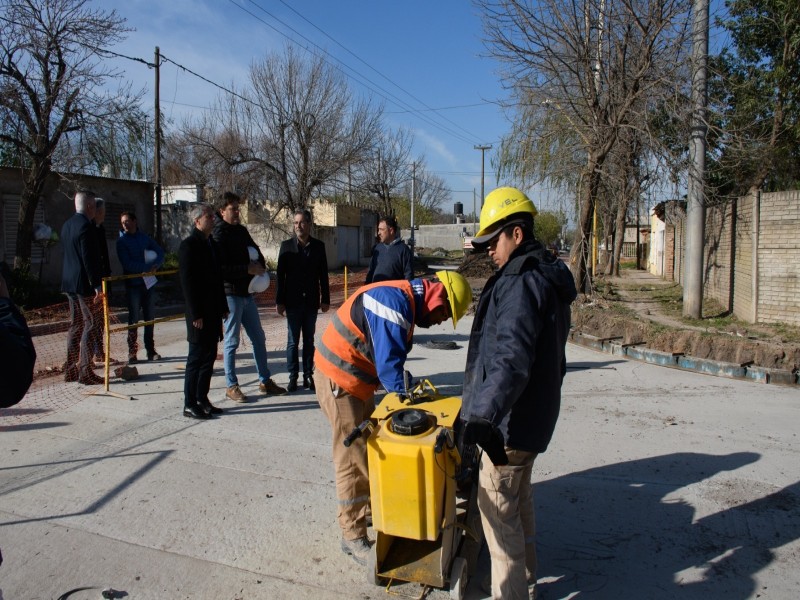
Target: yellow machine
{"x": 424, "y": 506}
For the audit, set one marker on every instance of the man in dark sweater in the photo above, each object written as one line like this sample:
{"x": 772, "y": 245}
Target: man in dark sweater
{"x": 302, "y": 289}
{"x": 391, "y": 258}
{"x": 241, "y": 261}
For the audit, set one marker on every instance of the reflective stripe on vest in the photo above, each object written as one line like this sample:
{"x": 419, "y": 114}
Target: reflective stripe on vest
{"x": 343, "y": 354}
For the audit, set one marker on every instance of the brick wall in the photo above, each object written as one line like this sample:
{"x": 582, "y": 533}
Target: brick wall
{"x": 778, "y": 265}
{"x": 718, "y": 256}
{"x": 743, "y": 304}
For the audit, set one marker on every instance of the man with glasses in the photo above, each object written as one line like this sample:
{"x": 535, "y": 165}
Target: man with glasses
{"x": 134, "y": 247}
{"x": 302, "y": 289}
{"x": 241, "y": 261}
{"x": 512, "y": 381}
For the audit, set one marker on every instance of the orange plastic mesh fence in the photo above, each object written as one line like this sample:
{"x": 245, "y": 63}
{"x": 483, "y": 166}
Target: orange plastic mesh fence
{"x": 49, "y": 326}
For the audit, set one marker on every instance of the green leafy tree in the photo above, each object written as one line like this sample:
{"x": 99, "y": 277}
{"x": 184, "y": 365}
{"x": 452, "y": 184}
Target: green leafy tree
{"x": 755, "y": 99}
{"x": 547, "y": 226}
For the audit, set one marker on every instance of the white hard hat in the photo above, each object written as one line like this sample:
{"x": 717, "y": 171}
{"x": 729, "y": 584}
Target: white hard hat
{"x": 150, "y": 256}
{"x": 259, "y": 283}
{"x": 252, "y": 252}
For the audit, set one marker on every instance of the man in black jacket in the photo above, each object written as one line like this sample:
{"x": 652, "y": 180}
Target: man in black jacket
{"x": 512, "y": 383}
{"x": 80, "y": 280}
{"x": 302, "y": 289}
{"x": 201, "y": 279}
{"x": 241, "y": 261}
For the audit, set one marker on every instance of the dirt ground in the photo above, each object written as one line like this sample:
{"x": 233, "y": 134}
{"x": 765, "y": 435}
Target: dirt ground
{"x": 628, "y": 308}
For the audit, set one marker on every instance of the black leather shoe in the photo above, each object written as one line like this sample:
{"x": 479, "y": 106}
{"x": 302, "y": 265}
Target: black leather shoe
{"x": 71, "y": 374}
{"x": 292, "y": 387}
{"x": 210, "y": 409}
{"x": 195, "y": 412}
{"x": 308, "y": 383}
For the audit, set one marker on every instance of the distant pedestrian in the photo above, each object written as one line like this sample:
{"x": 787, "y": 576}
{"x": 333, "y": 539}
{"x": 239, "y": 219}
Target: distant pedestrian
{"x": 81, "y": 277}
{"x": 391, "y": 257}
{"x": 201, "y": 280}
{"x": 302, "y": 289}
{"x": 238, "y": 269}
{"x": 139, "y": 253}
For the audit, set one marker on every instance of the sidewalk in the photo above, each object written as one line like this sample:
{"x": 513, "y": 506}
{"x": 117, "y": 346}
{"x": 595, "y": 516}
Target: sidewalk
{"x": 658, "y": 484}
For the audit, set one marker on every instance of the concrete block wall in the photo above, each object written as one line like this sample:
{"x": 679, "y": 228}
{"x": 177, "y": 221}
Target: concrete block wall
{"x": 744, "y": 253}
{"x": 779, "y": 258}
{"x": 718, "y": 259}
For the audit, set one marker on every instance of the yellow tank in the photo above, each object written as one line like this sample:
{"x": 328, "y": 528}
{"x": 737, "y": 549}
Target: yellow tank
{"x": 407, "y": 477}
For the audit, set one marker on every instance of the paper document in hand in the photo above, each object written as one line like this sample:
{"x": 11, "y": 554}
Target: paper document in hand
{"x": 149, "y": 281}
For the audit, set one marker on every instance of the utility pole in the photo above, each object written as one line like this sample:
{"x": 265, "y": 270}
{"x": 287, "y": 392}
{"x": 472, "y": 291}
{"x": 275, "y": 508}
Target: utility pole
{"x": 157, "y": 156}
{"x": 483, "y": 149}
{"x": 695, "y": 212}
{"x": 413, "y": 192}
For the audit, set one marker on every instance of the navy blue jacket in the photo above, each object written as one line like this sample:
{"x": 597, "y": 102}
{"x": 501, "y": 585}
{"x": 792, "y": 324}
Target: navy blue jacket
{"x": 391, "y": 261}
{"x": 516, "y": 361}
{"x": 19, "y": 355}
{"x": 81, "y": 270}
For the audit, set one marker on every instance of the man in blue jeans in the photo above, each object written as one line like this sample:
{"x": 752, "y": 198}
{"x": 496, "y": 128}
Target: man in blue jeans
{"x": 302, "y": 289}
{"x": 138, "y": 253}
{"x": 241, "y": 260}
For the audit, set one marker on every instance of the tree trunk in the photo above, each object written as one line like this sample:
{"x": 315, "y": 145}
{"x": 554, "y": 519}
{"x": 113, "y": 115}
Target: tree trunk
{"x": 582, "y": 247}
{"x": 28, "y": 202}
{"x": 619, "y": 238}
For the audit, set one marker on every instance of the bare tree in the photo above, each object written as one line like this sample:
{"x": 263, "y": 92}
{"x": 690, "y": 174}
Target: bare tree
{"x": 592, "y": 62}
{"x": 302, "y": 127}
{"x": 51, "y": 84}
{"x": 385, "y": 169}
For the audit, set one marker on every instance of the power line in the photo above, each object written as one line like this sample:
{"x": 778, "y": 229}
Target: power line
{"x": 364, "y": 81}
{"x": 371, "y": 67}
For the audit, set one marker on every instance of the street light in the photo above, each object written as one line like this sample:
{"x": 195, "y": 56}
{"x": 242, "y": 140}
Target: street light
{"x": 483, "y": 149}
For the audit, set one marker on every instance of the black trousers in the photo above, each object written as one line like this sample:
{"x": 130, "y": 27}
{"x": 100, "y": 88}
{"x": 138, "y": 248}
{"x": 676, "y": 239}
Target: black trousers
{"x": 199, "y": 367}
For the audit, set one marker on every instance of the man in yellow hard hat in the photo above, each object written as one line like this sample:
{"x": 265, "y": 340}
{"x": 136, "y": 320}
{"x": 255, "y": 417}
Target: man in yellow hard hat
{"x": 512, "y": 382}
{"x": 366, "y": 345}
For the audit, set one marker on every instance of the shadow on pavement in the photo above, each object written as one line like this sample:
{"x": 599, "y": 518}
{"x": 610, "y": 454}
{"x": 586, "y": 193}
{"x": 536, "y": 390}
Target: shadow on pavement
{"x": 619, "y": 531}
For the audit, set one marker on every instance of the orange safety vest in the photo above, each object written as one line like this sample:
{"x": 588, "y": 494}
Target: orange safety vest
{"x": 342, "y": 353}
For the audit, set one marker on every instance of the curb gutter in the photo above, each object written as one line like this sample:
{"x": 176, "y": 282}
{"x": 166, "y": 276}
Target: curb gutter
{"x": 641, "y": 353}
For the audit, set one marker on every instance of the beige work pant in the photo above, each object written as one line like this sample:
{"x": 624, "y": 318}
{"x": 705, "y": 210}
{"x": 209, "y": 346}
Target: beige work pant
{"x": 505, "y": 500}
{"x": 345, "y": 412}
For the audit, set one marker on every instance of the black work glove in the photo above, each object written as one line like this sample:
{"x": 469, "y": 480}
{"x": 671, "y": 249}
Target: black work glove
{"x": 477, "y": 431}
{"x": 488, "y": 437}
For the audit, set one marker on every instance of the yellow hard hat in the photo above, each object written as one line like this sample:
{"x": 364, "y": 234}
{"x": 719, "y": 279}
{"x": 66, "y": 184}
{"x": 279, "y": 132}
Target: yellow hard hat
{"x": 459, "y": 294}
{"x": 499, "y": 205}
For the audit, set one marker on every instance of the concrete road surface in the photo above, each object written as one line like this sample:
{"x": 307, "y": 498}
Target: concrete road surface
{"x": 658, "y": 484}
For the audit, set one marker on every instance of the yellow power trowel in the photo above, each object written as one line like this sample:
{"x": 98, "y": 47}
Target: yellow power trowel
{"x": 423, "y": 492}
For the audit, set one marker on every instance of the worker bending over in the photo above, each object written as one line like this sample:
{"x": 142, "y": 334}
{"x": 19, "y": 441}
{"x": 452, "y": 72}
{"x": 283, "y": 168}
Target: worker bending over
{"x": 364, "y": 346}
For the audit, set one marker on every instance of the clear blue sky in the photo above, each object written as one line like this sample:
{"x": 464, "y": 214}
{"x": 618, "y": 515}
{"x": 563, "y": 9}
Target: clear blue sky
{"x": 419, "y": 55}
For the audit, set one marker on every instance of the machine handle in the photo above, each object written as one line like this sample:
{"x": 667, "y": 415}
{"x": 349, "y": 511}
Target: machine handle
{"x": 441, "y": 438}
{"x": 356, "y": 433}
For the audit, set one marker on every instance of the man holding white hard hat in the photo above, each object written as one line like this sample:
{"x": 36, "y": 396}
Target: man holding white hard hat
{"x": 244, "y": 273}
{"x": 139, "y": 253}
{"x": 302, "y": 289}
